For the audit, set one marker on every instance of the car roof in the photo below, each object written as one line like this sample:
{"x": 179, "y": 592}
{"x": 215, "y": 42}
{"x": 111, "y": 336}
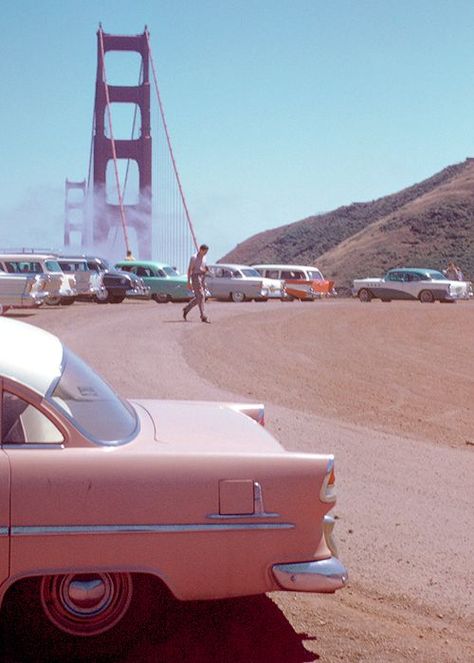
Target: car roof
{"x": 29, "y": 355}
{"x": 267, "y": 266}
{"x": 414, "y": 270}
{"x": 143, "y": 263}
{"x": 28, "y": 257}
{"x": 230, "y": 265}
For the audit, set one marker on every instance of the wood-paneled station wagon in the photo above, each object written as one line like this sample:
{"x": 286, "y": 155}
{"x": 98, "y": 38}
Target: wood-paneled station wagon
{"x": 102, "y": 499}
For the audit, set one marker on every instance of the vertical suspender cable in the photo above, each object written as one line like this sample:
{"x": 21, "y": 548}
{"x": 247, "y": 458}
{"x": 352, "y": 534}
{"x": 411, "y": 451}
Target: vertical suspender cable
{"x": 168, "y": 140}
{"x": 112, "y": 140}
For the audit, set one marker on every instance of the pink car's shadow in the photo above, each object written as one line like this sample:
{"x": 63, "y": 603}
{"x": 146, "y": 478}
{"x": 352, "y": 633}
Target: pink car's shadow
{"x": 243, "y": 630}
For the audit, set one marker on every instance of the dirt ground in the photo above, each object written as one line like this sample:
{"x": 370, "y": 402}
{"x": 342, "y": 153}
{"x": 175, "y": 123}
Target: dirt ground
{"x": 389, "y": 389}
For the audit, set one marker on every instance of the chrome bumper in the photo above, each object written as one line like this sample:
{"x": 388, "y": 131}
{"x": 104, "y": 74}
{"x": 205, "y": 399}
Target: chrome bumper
{"x": 323, "y": 575}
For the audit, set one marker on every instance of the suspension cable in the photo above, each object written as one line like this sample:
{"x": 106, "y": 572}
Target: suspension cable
{"x": 112, "y": 140}
{"x": 168, "y": 140}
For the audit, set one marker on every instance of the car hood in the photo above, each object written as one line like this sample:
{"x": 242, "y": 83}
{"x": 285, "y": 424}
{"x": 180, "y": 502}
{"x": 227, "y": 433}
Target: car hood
{"x": 205, "y": 427}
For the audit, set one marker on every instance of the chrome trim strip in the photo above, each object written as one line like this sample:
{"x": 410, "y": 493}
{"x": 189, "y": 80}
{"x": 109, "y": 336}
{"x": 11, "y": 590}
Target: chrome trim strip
{"x": 39, "y": 530}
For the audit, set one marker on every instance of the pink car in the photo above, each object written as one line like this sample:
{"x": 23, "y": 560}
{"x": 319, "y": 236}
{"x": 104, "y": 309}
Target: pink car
{"x": 102, "y": 499}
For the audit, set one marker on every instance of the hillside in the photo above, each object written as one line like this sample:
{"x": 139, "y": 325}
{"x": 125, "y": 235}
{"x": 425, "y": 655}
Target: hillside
{"x": 426, "y": 224}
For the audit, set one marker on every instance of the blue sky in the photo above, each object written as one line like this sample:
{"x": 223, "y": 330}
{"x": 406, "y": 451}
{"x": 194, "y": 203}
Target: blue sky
{"x": 278, "y": 109}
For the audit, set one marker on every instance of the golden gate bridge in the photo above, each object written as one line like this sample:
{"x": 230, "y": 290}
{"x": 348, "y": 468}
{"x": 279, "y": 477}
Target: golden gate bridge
{"x": 113, "y": 212}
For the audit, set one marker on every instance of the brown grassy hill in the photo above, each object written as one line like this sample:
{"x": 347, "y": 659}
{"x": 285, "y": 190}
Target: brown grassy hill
{"x": 426, "y": 224}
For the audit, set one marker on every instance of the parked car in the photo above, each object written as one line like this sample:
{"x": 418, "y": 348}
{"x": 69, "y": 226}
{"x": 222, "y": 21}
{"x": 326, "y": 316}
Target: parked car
{"x": 424, "y": 285}
{"x": 107, "y": 504}
{"x": 88, "y": 281}
{"x": 164, "y": 281}
{"x": 22, "y": 291}
{"x": 116, "y": 284}
{"x": 301, "y": 282}
{"x": 61, "y": 287}
{"x": 241, "y": 282}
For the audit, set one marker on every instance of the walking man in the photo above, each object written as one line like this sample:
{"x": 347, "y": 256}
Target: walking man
{"x": 196, "y": 271}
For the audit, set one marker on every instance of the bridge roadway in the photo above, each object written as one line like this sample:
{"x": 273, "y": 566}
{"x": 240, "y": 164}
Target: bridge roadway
{"x": 388, "y": 389}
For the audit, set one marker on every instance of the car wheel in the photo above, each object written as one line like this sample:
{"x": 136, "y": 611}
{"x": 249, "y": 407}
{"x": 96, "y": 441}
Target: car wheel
{"x": 237, "y": 296}
{"x": 81, "y": 617}
{"x": 386, "y": 300}
{"x": 426, "y": 297}
{"x": 2, "y": 309}
{"x": 67, "y": 301}
{"x": 365, "y": 295}
{"x": 161, "y": 297}
{"x": 53, "y": 301}
{"x": 102, "y": 297}
{"x": 116, "y": 299}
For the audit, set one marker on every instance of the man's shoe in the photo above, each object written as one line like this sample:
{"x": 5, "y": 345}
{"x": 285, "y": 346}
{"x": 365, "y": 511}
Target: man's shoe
{"x": 206, "y": 320}
{"x": 185, "y": 313}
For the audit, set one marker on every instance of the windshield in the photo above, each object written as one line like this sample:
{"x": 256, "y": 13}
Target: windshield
{"x": 250, "y": 272}
{"x": 315, "y": 274}
{"x": 171, "y": 271}
{"x": 91, "y": 404}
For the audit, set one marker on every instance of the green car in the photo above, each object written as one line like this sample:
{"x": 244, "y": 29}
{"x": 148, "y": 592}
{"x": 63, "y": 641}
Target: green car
{"x": 165, "y": 282}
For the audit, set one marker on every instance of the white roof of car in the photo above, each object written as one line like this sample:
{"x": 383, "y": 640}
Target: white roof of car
{"x": 265, "y": 266}
{"x": 29, "y": 355}
{"x": 28, "y": 257}
{"x": 232, "y": 266}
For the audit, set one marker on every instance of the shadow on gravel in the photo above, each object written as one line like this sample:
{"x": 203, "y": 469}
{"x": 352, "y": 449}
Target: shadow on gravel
{"x": 243, "y": 630}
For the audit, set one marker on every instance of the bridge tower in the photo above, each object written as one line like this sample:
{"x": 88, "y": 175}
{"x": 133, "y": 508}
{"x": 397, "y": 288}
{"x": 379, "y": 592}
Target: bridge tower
{"x": 108, "y": 216}
{"x": 75, "y": 222}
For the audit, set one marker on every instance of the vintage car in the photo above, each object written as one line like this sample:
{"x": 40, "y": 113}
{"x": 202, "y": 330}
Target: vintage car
{"x": 116, "y": 284}
{"x": 164, "y": 281}
{"x": 424, "y": 285}
{"x": 22, "y": 291}
{"x": 61, "y": 287}
{"x": 241, "y": 282}
{"x": 88, "y": 281}
{"x": 102, "y": 498}
{"x": 301, "y": 282}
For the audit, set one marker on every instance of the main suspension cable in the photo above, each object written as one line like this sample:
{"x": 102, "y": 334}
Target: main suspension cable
{"x": 112, "y": 140}
{"x": 168, "y": 140}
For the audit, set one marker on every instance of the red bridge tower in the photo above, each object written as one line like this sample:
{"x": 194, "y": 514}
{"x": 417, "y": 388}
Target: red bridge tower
{"x": 108, "y": 216}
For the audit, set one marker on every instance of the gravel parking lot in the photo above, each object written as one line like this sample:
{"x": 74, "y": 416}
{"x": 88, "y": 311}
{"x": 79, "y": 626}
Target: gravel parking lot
{"x": 389, "y": 389}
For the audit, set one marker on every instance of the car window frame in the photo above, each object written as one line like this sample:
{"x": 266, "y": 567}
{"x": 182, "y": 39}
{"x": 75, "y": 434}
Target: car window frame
{"x": 38, "y": 402}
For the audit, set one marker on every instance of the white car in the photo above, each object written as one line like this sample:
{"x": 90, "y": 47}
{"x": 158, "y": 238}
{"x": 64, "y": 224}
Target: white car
{"x": 22, "y": 290}
{"x": 424, "y": 285}
{"x": 61, "y": 287}
{"x": 241, "y": 282}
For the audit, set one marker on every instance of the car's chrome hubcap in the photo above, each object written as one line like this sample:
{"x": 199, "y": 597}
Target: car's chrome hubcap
{"x": 86, "y": 604}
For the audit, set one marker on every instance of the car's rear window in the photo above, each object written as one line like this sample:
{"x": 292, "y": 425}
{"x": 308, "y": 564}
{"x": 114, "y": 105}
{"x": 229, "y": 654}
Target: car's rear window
{"x": 91, "y": 404}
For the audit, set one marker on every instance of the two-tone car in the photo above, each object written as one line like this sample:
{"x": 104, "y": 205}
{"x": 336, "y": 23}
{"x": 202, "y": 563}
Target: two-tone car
{"x": 61, "y": 287}
{"x": 107, "y": 505}
{"x": 164, "y": 281}
{"x": 239, "y": 283}
{"x": 22, "y": 291}
{"x": 302, "y": 282}
{"x": 411, "y": 283}
{"x": 88, "y": 281}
